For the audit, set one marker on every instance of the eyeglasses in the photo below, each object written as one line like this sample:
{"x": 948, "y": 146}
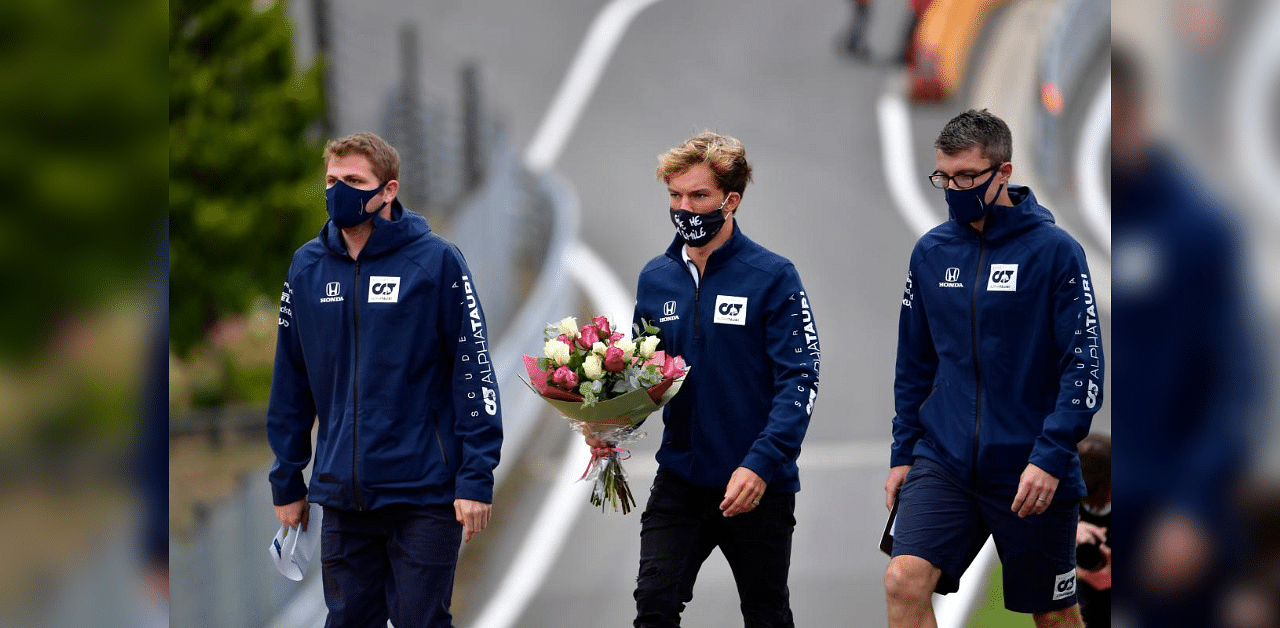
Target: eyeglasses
{"x": 963, "y": 181}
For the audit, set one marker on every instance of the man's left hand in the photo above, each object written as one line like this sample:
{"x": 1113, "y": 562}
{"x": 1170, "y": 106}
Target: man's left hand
{"x": 743, "y": 493}
{"x": 473, "y": 515}
{"x": 1035, "y": 491}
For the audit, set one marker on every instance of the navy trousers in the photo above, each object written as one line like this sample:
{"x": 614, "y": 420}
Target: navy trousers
{"x": 392, "y": 563}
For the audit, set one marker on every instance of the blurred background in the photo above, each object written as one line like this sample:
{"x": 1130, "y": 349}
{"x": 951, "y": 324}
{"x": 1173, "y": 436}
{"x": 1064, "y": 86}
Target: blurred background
{"x": 528, "y": 132}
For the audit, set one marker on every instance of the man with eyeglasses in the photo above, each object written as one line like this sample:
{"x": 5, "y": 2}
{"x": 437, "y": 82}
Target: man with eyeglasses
{"x": 999, "y": 373}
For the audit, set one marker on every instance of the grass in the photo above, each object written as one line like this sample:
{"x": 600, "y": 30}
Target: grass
{"x": 992, "y": 613}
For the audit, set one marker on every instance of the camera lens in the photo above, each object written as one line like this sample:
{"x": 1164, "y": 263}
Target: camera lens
{"x": 1089, "y": 557}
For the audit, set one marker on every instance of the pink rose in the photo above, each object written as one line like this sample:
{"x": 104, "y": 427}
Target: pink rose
{"x": 564, "y": 378}
{"x": 565, "y": 339}
{"x": 602, "y": 324}
{"x": 659, "y": 359}
{"x": 615, "y": 337}
{"x": 589, "y": 337}
{"x": 613, "y": 361}
{"x": 674, "y": 367}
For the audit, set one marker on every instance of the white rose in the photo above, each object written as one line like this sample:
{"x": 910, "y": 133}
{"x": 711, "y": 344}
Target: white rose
{"x": 557, "y": 351}
{"x": 592, "y": 367}
{"x": 628, "y": 348}
{"x": 569, "y": 327}
{"x": 648, "y": 345}
{"x": 599, "y": 348}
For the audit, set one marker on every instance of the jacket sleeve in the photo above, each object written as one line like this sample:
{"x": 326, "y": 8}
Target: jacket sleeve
{"x": 1078, "y": 342}
{"x": 917, "y": 364}
{"x": 291, "y": 411}
{"x": 477, "y": 419}
{"x": 791, "y": 339}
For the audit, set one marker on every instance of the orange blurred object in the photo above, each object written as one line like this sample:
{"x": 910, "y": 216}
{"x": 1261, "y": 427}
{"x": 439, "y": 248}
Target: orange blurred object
{"x": 942, "y": 45}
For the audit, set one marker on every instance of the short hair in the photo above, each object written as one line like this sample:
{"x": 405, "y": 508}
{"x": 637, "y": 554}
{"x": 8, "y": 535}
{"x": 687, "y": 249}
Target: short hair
{"x": 1095, "y": 466}
{"x": 382, "y": 156}
{"x": 725, "y": 155}
{"x": 977, "y": 128}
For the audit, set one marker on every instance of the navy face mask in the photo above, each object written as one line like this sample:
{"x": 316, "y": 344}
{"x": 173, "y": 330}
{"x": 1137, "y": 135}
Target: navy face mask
{"x": 346, "y": 204}
{"x": 698, "y": 229}
{"x": 968, "y": 206}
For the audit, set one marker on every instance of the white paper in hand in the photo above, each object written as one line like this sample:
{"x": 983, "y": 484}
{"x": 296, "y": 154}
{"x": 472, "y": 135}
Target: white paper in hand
{"x": 291, "y": 551}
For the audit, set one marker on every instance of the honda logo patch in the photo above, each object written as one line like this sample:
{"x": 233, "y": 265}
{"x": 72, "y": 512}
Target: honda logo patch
{"x": 953, "y": 274}
{"x": 730, "y": 310}
{"x": 1004, "y": 278}
{"x": 384, "y": 289}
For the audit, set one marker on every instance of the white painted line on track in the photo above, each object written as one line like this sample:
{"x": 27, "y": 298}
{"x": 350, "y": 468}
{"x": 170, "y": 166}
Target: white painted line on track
{"x": 580, "y": 82}
{"x": 1095, "y": 203}
{"x": 608, "y": 296}
{"x": 1253, "y": 113}
{"x": 551, "y": 527}
{"x": 895, "y": 150}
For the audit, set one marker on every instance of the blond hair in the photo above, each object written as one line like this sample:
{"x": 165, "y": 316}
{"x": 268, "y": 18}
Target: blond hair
{"x": 382, "y": 156}
{"x": 723, "y": 154}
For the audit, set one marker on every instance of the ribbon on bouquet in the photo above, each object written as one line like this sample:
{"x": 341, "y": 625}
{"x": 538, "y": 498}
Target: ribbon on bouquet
{"x": 599, "y": 453}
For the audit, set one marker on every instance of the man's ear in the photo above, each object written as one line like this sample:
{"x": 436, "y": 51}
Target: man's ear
{"x": 732, "y": 206}
{"x": 390, "y": 190}
{"x": 1006, "y": 170}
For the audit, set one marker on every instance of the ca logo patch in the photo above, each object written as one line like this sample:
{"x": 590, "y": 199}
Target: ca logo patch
{"x": 1004, "y": 278}
{"x": 1064, "y": 585}
{"x": 384, "y": 289}
{"x": 730, "y": 310}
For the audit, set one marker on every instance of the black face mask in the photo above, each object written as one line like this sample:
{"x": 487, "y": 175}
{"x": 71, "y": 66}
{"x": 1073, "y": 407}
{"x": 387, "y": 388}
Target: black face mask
{"x": 698, "y": 229}
{"x": 969, "y": 205}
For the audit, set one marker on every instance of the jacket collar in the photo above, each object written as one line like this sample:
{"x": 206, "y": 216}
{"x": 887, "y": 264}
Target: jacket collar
{"x": 388, "y": 235}
{"x": 1005, "y": 222}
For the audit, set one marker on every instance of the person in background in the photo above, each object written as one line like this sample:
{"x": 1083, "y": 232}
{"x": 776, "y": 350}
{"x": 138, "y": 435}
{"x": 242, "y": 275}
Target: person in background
{"x": 1093, "y": 533}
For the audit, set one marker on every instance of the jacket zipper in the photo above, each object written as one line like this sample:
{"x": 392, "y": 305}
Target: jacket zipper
{"x": 355, "y": 394}
{"x": 977, "y": 370}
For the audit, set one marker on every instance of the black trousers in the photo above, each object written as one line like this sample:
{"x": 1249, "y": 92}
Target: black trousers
{"x": 680, "y": 526}
{"x": 396, "y": 562}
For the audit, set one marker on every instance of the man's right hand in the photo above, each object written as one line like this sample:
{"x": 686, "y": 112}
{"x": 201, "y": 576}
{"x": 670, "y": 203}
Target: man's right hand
{"x": 897, "y": 475}
{"x": 294, "y": 515}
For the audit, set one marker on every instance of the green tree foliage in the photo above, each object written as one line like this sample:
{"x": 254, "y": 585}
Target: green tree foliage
{"x": 245, "y": 172}
{"x": 82, "y": 157}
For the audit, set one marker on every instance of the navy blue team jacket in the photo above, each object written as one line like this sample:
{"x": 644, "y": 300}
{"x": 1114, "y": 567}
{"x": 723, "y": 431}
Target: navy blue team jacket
{"x": 999, "y": 353}
{"x": 749, "y": 337}
{"x": 391, "y": 353}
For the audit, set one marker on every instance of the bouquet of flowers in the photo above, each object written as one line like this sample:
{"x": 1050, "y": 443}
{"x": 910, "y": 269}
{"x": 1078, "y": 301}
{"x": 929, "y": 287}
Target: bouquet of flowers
{"x": 606, "y": 385}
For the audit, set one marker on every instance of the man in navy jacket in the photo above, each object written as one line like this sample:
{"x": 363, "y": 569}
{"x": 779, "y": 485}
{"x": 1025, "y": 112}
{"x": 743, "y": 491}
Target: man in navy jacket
{"x": 381, "y": 337}
{"x": 740, "y": 317}
{"x": 999, "y": 373}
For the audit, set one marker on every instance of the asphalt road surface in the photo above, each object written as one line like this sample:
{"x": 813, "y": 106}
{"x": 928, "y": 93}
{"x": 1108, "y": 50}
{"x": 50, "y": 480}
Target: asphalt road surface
{"x": 767, "y": 73}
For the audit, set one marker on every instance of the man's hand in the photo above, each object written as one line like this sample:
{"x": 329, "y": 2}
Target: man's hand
{"x": 897, "y": 475}
{"x": 1087, "y": 533}
{"x": 743, "y": 493}
{"x": 1035, "y": 491}
{"x": 473, "y": 515}
{"x": 1100, "y": 580}
{"x": 296, "y": 514}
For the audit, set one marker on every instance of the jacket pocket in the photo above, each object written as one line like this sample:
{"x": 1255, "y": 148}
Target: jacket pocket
{"x": 401, "y": 452}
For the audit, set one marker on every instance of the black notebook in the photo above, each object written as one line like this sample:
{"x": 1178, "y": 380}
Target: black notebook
{"x": 886, "y": 541}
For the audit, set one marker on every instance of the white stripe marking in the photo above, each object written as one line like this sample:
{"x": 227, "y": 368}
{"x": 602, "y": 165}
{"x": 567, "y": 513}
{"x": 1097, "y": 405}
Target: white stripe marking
{"x": 580, "y": 82}
{"x": 1095, "y": 203}
{"x": 895, "y": 149}
{"x": 555, "y": 519}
